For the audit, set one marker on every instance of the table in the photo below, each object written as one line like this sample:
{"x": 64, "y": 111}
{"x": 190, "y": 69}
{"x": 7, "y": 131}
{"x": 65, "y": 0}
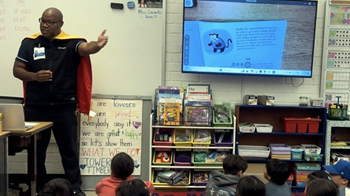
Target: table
{"x": 27, "y": 139}
{"x": 3, "y": 162}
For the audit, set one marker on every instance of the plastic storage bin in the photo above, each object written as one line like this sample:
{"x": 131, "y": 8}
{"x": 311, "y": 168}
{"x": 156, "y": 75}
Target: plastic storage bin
{"x": 159, "y": 157}
{"x": 297, "y": 152}
{"x": 222, "y": 124}
{"x": 311, "y": 149}
{"x": 313, "y": 157}
{"x": 201, "y": 138}
{"x": 186, "y": 180}
{"x": 183, "y": 138}
{"x": 182, "y": 158}
{"x": 209, "y": 158}
{"x": 162, "y": 133}
{"x": 253, "y": 151}
{"x": 280, "y": 147}
{"x": 263, "y": 128}
{"x": 308, "y": 166}
{"x": 154, "y": 179}
{"x": 301, "y": 125}
{"x": 200, "y": 178}
{"x": 246, "y": 128}
{"x": 338, "y": 113}
{"x": 223, "y": 139}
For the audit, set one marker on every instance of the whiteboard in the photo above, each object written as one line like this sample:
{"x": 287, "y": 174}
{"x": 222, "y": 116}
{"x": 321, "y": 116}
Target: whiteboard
{"x": 131, "y": 63}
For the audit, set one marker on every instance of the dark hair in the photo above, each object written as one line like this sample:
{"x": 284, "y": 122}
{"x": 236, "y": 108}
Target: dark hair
{"x": 134, "y": 187}
{"x": 122, "y": 166}
{"x": 319, "y": 174}
{"x": 250, "y": 186}
{"x": 57, "y": 187}
{"x": 278, "y": 171}
{"x": 232, "y": 164}
{"x": 322, "y": 187}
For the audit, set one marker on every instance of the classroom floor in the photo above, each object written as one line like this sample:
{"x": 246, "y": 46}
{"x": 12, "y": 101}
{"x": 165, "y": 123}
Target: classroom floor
{"x": 16, "y": 193}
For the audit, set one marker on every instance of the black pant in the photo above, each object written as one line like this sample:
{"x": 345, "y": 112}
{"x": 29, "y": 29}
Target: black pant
{"x": 65, "y": 131}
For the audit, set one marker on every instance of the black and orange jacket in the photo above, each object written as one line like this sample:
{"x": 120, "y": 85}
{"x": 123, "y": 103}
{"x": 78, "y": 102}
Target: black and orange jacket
{"x": 72, "y": 75}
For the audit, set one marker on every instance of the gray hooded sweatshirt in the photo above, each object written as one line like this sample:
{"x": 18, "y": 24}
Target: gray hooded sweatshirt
{"x": 221, "y": 184}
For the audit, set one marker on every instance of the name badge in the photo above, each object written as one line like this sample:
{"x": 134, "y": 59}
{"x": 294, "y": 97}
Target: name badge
{"x": 39, "y": 53}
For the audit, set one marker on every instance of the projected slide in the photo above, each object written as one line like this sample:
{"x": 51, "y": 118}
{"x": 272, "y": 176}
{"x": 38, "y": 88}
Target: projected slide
{"x": 255, "y": 44}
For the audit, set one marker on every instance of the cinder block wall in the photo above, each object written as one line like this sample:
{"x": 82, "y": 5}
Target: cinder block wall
{"x": 225, "y": 88}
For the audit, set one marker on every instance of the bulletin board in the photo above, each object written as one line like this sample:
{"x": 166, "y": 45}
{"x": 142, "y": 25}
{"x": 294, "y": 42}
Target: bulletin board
{"x": 132, "y": 62}
{"x": 336, "y": 53}
{"x": 119, "y": 124}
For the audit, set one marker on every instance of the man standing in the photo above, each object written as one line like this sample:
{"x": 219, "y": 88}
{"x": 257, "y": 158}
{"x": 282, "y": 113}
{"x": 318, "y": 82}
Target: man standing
{"x": 56, "y": 69}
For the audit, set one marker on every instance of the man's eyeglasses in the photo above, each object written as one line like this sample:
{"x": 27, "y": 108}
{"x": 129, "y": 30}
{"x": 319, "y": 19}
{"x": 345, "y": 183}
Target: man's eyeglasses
{"x": 48, "y": 23}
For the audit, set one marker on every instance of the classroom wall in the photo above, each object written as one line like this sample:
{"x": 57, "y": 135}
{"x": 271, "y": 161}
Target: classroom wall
{"x": 233, "y": 88}
{"x": 225, "y": 88}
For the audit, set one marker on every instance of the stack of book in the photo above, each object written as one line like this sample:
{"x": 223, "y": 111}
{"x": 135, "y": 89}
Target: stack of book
{"x": 280, "y": 151}
{"x": 169, "y": 105}
{"x": 197, "y": 105}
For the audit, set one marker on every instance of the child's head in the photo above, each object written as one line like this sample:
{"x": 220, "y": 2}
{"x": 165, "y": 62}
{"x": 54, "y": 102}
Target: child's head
{"x": 340, "y": 173}
{"x": 250, "y": 185}
{"x": 57, "y": 187}
{"x": 316, "y": 175}
{"x": 322, "y": 187}
{"x": 134, "y": 187}
{"x": 122, "y": 165}
{"x": 276, "y": 171}
{"x": 234, "y": 165}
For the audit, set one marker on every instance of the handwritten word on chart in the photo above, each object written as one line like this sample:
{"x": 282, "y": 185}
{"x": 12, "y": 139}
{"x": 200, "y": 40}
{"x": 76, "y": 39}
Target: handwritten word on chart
{"x": 150, "y": 14}
{"x": 14, "y": 17}
{"x": 116, "y": 127}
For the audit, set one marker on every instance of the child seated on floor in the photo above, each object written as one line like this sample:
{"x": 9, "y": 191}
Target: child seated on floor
{"x": 122, "y": 166}
{"x": 134, "y": 187}
{"x": 225, "y": 183}
{"x": 340, "y": 173}
{"x": 322, "y": 187}
{"x": 250, "y": 186}
{"x": 316, "y": 175}
{"x": 57, "y": 187}
{"x": 277, "y": 172}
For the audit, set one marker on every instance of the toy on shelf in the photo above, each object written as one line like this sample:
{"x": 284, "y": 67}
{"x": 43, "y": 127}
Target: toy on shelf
{"x": 162, "y": 157}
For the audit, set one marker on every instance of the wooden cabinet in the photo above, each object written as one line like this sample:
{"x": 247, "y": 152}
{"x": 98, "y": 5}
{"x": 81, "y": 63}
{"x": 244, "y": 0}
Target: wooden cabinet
{"x": 274, "y": 115}
{"x": 172, "y": 148}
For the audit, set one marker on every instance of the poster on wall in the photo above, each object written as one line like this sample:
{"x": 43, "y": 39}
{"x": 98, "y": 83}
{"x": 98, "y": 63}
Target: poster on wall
{"x": 332, "y": 98}
{"x": 337, "y": 80}
{"x": 338, "y": 59}
{"x": 339, "y": 15}
{"x": 115, "y": 127}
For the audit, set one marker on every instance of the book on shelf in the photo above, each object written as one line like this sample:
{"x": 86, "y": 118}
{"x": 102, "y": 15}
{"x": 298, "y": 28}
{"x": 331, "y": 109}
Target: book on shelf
{"x": 160, "y": 105}
{"x": 198, "y": 89}
{"x": 197, "y": 115}
{"x": 170, "y": 92}
{"x": 171, "y": 113}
